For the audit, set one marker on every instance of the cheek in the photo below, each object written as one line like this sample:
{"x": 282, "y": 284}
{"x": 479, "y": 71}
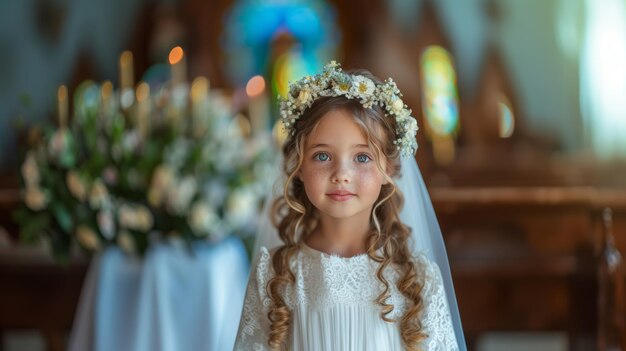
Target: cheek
{"x": 370, "y": 180}
{"x": 313, "y": 179}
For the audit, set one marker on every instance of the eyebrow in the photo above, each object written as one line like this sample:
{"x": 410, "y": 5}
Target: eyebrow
{"x": 355, "y": 146}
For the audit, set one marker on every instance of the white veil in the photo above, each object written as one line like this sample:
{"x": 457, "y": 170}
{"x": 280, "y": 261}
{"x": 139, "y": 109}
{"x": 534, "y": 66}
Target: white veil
{"x": 417, "y": 213}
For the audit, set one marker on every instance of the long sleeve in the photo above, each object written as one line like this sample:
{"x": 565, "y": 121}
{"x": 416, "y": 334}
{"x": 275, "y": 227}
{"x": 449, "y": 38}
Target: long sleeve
{"x": 254, "y": 325}
{"x": 436, "y": 320}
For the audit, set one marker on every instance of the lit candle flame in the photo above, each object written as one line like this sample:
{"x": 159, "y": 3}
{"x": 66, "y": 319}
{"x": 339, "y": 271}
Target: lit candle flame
{"x": 255, "y": 86}
{"x": 178, "y": 66}
{"x": 176, "y": 55}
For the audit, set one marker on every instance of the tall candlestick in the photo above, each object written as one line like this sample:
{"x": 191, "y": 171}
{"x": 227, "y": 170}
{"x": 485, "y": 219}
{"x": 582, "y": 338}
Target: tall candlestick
{"x": 199, "y": 96}
{"x": 199, "y": 89}
{"x": 126, "y": 70}
{"x": 143, "y": 108}
{"x": 126, "y": 80}
{"x": 178, "y": 66}
{"x": 258, "y": 104}
{"x": 106, "y": 91}
{"x": 63, "y": 107}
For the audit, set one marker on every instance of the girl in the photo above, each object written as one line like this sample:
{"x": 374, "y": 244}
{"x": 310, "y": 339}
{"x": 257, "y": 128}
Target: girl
{"x": 345, "y": 276}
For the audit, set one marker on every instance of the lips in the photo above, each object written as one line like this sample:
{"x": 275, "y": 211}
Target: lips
{"x": 341, "y": 195}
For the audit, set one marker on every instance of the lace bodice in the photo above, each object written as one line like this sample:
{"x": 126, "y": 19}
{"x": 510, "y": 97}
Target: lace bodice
{"x": 334, "y": 308}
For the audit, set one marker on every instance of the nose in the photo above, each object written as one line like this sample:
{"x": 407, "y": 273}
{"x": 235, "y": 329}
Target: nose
{"x": 341, "y": 174}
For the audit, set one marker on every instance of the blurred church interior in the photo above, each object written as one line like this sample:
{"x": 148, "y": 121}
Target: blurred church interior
{"x": 522, "y": 118}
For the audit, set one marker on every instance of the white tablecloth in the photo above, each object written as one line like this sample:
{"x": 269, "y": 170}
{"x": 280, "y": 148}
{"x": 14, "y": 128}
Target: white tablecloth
{"x": 170, "y": 301}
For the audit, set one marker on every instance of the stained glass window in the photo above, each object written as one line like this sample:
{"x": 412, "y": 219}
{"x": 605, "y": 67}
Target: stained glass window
{"x": 440, "y": 101}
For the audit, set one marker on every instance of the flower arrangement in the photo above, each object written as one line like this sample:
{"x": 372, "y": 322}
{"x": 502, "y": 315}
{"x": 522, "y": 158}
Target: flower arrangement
{"x": 125, "y": 170}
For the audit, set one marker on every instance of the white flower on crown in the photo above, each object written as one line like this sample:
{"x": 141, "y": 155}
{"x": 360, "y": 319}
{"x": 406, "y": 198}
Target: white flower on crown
{"x": 363, "y": 87}
{"x": 304, "y": 97}
{"x": 397, "y": 106}
{"x": 343, "y": 85}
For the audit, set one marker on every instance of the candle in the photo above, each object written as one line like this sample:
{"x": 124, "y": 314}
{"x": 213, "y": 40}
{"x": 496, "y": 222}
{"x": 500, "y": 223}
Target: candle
{"x": 106, "y": 91}
{"x": 178, "y": 66}
{"x": 199, "y": 89}
{"x": 258, "y": 104}
{"x": 62, "y": 104}
{"x": 126, "y": 70}
{"x": 239, "y": 127}
{"x": 143, "y": 108}
{"x": 199, "y": 95}
{"x": 126, "y": 79}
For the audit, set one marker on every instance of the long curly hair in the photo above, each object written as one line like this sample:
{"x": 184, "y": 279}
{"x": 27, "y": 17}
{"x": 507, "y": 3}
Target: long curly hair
{"x": 295, "y": 217}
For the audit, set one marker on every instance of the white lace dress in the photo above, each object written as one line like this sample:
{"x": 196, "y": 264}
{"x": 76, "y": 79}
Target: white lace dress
{"x": 333, "y": 305}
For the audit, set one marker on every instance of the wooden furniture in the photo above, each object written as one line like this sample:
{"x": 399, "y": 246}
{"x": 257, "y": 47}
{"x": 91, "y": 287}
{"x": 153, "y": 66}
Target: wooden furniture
{"x": 530, "y": 259}
{"x": 39, "y": 294}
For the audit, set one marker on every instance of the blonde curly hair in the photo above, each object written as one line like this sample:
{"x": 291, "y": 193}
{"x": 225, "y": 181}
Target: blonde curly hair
{"x": 295, "y": 217}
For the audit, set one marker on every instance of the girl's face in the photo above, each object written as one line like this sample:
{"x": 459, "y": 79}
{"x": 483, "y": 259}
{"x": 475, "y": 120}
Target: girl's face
{"x": 339, "y": 171}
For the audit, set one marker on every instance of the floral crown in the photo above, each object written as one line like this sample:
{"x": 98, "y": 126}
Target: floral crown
{"x": 334, "y": 82}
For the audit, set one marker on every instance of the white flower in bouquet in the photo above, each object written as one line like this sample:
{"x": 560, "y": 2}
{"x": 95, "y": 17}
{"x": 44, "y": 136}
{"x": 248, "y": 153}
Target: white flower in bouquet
{"x": 229, "y": 154}
{"x": 106, "y": 223}
{"x": 161, "y": 180}
{"x": 99, "y": 195}
{"x": 203, "y": 219}
{"x": 177, "y": 152}
{"x": 110, "y": 175}
{"x": 180, "y": 194}
{"x": 126, "y": 242}
{"x": 30, "y": 170}
{"x": 76, "y": 185}
{"x": 35, "y": 198}
{"x": 135, "y": 179}
{"x": 102, "y": 144}
{"x": 137, "y": 217}
{"x": 87, "y": 237}
{"x": 59, "y": 143}
{"x": 221, "y": 113}
{"x": 241, "y": 207}
{"x": 131, "y": 141}
{"x": 215, "y": 192}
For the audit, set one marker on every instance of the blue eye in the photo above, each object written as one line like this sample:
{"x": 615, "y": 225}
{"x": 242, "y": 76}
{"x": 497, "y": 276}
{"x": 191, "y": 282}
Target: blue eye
{"x": 363, "y": 158}
{"x": 322, "y": 156}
